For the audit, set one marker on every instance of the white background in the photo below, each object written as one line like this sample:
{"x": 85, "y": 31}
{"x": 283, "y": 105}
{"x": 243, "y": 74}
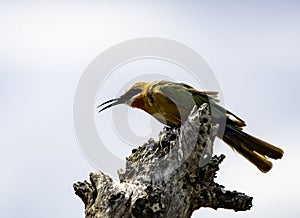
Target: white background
{"x": 253, "y": 47}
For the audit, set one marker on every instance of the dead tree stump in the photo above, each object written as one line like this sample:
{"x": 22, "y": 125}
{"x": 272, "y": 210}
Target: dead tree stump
{"x": 171, "y": 177}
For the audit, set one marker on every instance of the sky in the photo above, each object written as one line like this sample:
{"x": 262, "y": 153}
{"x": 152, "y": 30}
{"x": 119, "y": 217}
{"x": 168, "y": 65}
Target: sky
{"x": 46, "y": 46}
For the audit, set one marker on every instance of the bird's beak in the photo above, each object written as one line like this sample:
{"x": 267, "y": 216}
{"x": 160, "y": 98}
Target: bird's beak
{"x": 113, "y": 102}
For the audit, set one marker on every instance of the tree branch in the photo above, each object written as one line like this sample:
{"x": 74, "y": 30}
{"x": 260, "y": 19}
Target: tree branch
{"x": 169, "y": 178}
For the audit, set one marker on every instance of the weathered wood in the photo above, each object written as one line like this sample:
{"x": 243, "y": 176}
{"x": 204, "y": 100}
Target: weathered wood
{"x": 169, "y": 178}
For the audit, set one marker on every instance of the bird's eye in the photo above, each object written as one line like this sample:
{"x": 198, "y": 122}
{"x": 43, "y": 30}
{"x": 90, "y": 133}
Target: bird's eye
{"x": 150, "y": 97}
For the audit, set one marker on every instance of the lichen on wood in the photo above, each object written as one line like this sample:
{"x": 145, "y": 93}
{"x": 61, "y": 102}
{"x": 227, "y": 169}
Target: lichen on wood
{"x": 171, "y": 177}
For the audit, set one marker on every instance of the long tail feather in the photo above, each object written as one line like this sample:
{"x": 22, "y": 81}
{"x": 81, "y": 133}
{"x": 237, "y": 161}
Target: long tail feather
{"x": 252, "y": 148}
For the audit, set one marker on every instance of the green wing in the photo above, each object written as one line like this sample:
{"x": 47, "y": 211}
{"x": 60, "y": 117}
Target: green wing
{"x": 185, "y": 97}
{"x": 178, "y": 94}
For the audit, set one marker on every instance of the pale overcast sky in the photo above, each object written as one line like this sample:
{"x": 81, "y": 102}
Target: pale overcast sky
{"x": 45, "y": 46}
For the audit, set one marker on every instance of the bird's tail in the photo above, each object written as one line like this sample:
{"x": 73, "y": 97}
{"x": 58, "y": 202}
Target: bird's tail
{"x": 252, "y": 148}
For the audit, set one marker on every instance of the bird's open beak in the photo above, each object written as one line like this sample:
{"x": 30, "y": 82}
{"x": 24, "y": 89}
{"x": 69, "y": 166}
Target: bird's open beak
{"x": 113, "y": 102}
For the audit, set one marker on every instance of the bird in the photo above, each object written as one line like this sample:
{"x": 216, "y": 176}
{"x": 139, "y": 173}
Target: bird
{"x": 171, "y": 103}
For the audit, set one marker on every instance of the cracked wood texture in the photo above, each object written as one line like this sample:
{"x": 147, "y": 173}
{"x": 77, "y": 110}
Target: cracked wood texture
{"x": 171, "y": 177}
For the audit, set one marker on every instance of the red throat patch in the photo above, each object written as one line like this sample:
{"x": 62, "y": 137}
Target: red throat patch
{"x": 139, "y": 103}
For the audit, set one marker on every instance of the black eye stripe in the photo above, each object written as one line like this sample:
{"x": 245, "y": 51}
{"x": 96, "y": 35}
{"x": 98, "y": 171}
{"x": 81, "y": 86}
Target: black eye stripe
{"x": 133, "y": 92}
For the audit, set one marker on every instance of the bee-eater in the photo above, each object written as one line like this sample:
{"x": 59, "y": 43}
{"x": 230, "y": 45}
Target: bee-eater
{"x": 171, "y": 103}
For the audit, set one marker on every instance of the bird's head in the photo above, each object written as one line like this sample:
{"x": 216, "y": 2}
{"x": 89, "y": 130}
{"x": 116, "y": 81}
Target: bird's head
{"x": 130, "y": 96}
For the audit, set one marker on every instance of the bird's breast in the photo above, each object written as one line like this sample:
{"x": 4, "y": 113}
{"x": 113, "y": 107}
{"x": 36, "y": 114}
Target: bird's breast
{"x": 161, "y": 109}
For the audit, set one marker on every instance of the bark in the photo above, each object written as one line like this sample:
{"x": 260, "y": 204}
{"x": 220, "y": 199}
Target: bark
{"x": 171, "y": 177}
